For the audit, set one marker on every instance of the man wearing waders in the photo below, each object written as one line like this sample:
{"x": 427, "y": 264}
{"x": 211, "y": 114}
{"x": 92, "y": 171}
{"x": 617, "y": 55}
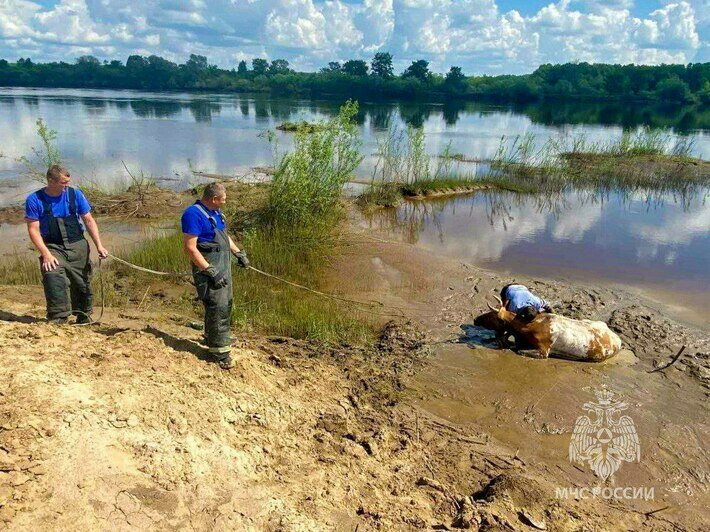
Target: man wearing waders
{"x": 209, "y": 246}
{"x": 56, "y": 216}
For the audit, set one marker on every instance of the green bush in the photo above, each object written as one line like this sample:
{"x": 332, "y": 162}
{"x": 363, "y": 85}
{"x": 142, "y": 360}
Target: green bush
{"x": 308, "y": 182}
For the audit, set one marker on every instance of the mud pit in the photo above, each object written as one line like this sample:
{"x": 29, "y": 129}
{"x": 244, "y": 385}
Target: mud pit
{"x": 532, "y": 405}
{"x": 123, "y": 426}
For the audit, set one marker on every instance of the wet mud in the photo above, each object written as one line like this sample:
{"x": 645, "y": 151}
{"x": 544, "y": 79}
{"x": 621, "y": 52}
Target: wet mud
{"x": 127, "y": 425}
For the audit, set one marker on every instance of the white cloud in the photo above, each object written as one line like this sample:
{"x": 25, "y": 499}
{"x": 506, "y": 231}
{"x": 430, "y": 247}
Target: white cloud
{"x": 474, "y": 34}
{"x": 296, "y": 24}
{"x": 69, "y": 23}
{"x": 678, "y": 227}
{"x": 572, "y": 225}
{"x": 340, "y": 27}
{"x": 676, "y": 25}
{"x": 16, "y": 18}
{"x": 376, "y": 22}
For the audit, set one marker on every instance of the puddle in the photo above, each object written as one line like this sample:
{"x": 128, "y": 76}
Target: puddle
{"x": 533, "y": 405}
{"x": 474, "y": 335}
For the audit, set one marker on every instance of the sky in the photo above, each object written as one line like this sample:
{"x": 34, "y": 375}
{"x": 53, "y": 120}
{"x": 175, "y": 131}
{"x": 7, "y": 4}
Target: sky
{"x": 481, "y": 36}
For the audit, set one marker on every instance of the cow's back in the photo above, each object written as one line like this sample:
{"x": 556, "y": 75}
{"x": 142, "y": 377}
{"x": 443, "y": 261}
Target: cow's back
{"x": 606, "y": 342}
{"x": 582, "y": 339}
{"x": 569, "y": 338}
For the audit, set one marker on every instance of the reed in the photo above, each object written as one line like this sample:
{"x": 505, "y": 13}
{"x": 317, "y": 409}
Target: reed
{"x": 262, "y": 304}
{"x": 308, "y": 182}
{"x": 20, "y": 270}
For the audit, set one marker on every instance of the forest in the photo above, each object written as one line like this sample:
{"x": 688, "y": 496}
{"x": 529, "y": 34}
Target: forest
{"x": 377, "y": 79}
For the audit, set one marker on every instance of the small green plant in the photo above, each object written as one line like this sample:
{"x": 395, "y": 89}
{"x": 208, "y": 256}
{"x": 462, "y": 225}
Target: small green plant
{"x": 683, "y": 147}
{"x": 418, "y": 158}
{"x": 381, "y": 194}
{"x": 302, "y": 125}
{"x": 402, "y": 158}
{"x": 308, "y": 182}
{"x": 42, "y": 157}
{"x": 440, "y": 185}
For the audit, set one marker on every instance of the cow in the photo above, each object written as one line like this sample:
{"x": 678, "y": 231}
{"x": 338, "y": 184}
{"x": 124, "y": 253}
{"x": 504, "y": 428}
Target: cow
{"x": 490, "y": 320}
{"x": 549, "y": 333}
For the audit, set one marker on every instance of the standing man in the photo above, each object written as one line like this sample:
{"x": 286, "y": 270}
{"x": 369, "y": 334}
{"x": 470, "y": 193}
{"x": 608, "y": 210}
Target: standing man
{"x": 208, "y": 246}
{"x": 56, "y": 217}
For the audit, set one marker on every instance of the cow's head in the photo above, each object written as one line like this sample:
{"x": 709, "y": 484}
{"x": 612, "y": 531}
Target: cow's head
{"x": 501, "y": 312}
{"x": 490, "y": 320}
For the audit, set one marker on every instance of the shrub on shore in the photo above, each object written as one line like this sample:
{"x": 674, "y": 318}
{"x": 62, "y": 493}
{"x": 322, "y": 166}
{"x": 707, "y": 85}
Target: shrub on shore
{"x": 308, "y": 182}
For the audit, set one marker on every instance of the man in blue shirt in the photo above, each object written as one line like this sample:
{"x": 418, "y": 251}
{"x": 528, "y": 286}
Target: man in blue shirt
{"x": 208, "y": 246}
{"x": 516, "y": 297}
{"x": 56, "y": 217}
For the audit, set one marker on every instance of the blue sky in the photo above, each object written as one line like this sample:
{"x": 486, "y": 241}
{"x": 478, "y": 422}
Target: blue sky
{"x": 482, "y": 36}
{"x": 638, "y": 8}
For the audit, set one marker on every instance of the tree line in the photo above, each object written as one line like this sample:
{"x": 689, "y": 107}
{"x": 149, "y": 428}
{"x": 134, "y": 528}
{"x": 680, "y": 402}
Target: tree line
{"x": 358, "y": 78}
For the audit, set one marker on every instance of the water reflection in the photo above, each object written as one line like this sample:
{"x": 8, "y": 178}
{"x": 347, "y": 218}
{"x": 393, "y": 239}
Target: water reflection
{"x": 450, "y": 111}
{"x": 683, "y": 119}
{"x": 94, "y": 106}
{"x": 156, "y": 108}
{"x": 31, "y": 101}
{"x": 414, "y": 114}
{"x": 244, "y": 107}
{"x": 610, "y": 236}
{"x": 219, "y": 133}
{"x": 202, "y": 110}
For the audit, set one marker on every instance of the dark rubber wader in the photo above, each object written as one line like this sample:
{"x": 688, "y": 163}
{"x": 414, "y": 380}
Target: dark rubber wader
{"x": 217, "y": 302}
{"x": 67, "y": 288}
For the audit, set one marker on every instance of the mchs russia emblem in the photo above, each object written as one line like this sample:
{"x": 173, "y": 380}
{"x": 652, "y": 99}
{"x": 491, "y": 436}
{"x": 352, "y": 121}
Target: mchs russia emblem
{"x": 604, "y": 439}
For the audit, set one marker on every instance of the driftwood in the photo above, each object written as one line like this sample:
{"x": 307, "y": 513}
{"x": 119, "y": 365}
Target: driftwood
{"x": 647, "y": 514}
{"x": 673, "y": 361}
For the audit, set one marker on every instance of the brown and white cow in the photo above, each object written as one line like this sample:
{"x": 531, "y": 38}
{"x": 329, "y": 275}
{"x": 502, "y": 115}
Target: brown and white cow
{"x": 490, "y": 320}
{"x": 549, "y": 333}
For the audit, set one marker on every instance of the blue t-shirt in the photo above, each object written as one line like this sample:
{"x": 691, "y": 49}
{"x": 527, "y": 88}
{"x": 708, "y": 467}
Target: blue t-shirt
{"x": 519, "y": 296}
{"x": 194, "y": 222}
{"x": 34, "y": 208}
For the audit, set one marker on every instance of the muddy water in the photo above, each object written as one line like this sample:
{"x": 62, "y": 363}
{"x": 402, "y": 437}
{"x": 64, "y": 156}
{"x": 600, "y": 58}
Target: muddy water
{"x": 533, "y": 405}
{"x": 660, "y": 245}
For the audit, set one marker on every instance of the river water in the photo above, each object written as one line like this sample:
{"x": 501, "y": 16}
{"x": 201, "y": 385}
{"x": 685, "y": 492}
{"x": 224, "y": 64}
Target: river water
{"x": 660, "y": 245}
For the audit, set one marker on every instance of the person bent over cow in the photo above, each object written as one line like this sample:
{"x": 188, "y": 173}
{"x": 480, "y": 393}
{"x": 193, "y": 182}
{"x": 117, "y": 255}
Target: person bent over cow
{"x": 208, "y": 246}
{"x": 519, "y": 299}
{"x": 56, "y": 217}
{"x": 540, "y": 333}
{"x": 549, "y": 333}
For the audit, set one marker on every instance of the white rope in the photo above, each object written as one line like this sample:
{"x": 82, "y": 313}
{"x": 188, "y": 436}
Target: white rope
{"x": 148, "y": 270}
{"x": 400, "y": 313}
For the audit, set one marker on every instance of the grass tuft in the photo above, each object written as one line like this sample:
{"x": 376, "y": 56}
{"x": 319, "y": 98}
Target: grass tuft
{"x": 302, "y": 126}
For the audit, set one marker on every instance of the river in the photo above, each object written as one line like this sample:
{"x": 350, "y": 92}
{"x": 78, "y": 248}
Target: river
{"x": 660, "y": 245}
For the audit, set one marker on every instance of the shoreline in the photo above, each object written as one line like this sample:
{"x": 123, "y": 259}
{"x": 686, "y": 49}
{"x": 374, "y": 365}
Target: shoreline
{"x": 425, "y": 429}
{"x": 132, "y": 231}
